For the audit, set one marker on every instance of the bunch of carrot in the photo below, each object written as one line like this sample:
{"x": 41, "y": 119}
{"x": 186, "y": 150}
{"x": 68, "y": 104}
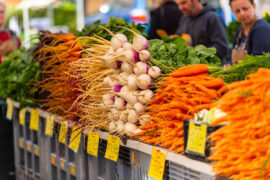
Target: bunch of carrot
{"x": 182, "y": 94}
{"x": 59, "y": 87}
{"x": 241, "y": 148}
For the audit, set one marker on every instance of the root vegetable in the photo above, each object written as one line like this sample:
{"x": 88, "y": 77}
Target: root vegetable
{"x": 154, "y": 72}
{"x": 145, "y": 96}
{"x": 139, "y": 108}
{"x": 141, "y": 68}
{"x": 132, "y": 82}
{"x": 144, "y": 81}
{"x": 133, "y": 117}
{"x": 126, "y": 67}
{"x": 144, "y": 55}
{"x": 130, "y": 129}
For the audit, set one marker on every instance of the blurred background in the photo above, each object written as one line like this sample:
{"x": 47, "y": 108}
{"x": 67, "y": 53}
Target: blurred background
{"x": 27, "y": 17}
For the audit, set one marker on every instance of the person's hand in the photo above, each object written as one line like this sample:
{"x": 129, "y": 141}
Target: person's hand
{"x": 7, "y": 47}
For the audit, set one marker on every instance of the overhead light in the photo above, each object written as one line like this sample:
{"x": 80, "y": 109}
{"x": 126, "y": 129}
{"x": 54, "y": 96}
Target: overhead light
{"x": 104, "y": 8}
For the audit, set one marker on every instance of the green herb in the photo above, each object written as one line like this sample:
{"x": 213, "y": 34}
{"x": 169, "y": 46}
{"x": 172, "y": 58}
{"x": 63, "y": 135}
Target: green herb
{"x": 18, "y": 74}
{"x": 173, "y": 52}
{"x": 112, "y": 25}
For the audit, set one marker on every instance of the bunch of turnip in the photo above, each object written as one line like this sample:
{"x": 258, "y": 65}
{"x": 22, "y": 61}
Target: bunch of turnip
{"x": 130, "y": 82}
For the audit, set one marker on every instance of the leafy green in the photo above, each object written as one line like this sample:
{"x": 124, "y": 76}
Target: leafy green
{"x": 18, "y": 74}
{"x": 173, "y": 52}
{"x": 240, "y": 71}
{"x": 112, "y": 25}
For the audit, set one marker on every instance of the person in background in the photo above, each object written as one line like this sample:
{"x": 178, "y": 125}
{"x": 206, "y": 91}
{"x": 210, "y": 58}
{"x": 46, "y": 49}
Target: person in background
{"x": 166, "y": 17}
{"x": 204, "y": 26}
{"x": 253, "y": 37}
{"x": 8, "y": 39}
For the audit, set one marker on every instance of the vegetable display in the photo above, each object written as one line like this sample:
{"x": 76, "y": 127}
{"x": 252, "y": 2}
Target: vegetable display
{"x": 241, "y": 148}
{"x": 182, "y": 94}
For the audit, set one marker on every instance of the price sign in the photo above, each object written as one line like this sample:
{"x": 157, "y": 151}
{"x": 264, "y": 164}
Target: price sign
{"x": 157, "y": 164}
{"x": 75, "y": 138}
{"x": 9, "y": 109}
{"x": 49, "y": 125}
{"x": 22, "y": 117}
{"x": 92, "y": 143}
{"x": 112, "y": 150}
{"x": 34, "y": 119}
{"x": 63, "y": 132}
{"x": 196, "y": 138}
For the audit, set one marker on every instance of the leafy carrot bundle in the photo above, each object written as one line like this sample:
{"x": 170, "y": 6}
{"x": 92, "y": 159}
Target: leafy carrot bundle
{"x": 60, "y": 87}
{"x": 241, "y": 148}
{"x": 182, "y": 94}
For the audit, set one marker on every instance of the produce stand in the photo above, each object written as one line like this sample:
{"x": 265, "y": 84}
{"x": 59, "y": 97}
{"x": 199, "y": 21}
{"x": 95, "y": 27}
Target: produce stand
{"x": 39, "y": 156}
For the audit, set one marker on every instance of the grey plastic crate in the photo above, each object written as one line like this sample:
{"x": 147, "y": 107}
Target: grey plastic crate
{"x": 34, "y": 151}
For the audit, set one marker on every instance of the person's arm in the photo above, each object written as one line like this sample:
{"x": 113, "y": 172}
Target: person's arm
{"x": 218, "y": 37}
{"x": 154, "y": 23}
{"x": 260, "y": 41}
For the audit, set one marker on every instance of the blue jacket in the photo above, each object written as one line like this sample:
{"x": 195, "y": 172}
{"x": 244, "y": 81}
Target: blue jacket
{"x": 258, "y": 40}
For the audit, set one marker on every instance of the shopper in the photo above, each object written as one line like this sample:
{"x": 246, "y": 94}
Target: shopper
{"x": 8, "y": 39}
{"x": 166, "y": 17}
{"x": 253, "y": 37}
{"x": 204, "y": 26}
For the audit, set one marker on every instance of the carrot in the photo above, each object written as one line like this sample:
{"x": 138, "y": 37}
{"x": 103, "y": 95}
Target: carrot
{"x": 223, "y": 89}
{"x": 190, "y": 70}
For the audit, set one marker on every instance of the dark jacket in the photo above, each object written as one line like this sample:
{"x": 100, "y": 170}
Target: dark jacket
{"x": 258, "y": 40}
{"x": 165, "y": 17}
{"x": 208, "y": 29}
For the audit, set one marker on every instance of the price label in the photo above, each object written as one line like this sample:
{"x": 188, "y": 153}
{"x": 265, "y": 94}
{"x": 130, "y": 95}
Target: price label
{"x": 196, "y": 138}
{"x": 92, "y": 143}
{"x": 22, "y": 116}
{"x": 63, "y": 132}
{"x": 75, "y": 138}
{"x": 157, "y": 164}
{"x": 34, "y": 119}
{"x": 49, "y": 125}
{"x": 9, "y": 108}
{"x": 72, "y": 170}
{"x": 36, "y": 151}
{"x": 112, "y": 150}
{"x": 52, "y": 159}
{"x": 62, "y": 165}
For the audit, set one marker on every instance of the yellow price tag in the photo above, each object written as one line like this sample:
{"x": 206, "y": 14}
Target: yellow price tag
{"x": 157, "y": 164}
{"x": 34, "y": 119}
{"x": 9, "y": 108}
{"x": 92, "y": 143}
{"x": 62, "y": 164}
{"x": 112, "y": 150}
{"x": 28, "y": 147}
{"x": 63, "y": 132}
{"x": 72, "y": 170}
{"x": 22, "y": 116}
{"x": 196, "y": 138}
{"x": 52, "y": 159}
{"x": 75, "y": 138}
{"x": 21, "y": 143}
{"x": 49, "y": 125}
{"x": 36, "y": 151}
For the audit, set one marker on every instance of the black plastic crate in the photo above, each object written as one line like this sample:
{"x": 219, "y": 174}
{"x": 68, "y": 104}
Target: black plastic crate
{"x": 207, "y": 152}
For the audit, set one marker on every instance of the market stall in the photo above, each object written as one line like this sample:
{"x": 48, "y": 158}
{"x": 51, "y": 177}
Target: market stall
{"x": 107, "y": 103}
